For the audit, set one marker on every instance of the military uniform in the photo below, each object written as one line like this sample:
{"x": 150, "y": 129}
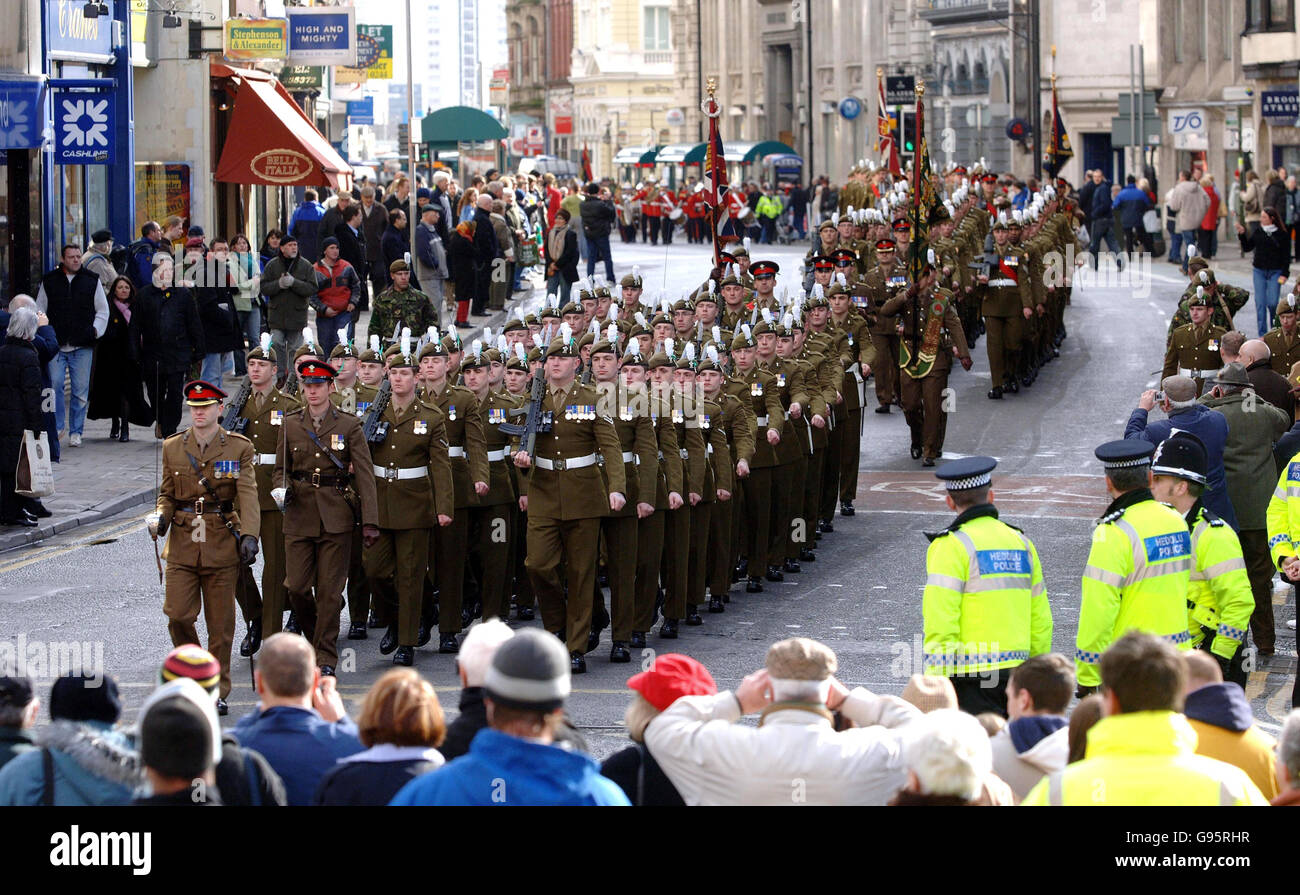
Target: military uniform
{"x": 356, "y": 400}
{"x": 203, "y": 532}
{"x": 692, "y": 449}
{"x": 329, "y": 483}
{"x": 881, "y": 287}
{"x": 492, "y": 515}
{"x": 650, "y": 533}
{"x": 1006, "y": 296}
{"x": 737, "y": 422}
{"x": 859, "y": 355}
{"x": 567, "y": 497}
{"x": 758, "y": 387}
{"x": 1285, "y": 348}
{"x": 413, "y": 487}
{"x": 1194, "y": 351}
{"x": 1224, "y": 305}
{"x": 395, "y": 309}
{"x": 788, "y": 383}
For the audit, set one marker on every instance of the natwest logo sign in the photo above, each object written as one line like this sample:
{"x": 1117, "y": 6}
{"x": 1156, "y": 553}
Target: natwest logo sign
{"x": 281, "y": 165}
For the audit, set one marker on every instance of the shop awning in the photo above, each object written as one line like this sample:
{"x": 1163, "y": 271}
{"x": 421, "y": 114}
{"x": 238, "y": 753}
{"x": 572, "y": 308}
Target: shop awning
{"x": 272, "y": 141}
{"x": 682, "y": 154}
{"x": 641, "y": 156}
{"x": 745, "y": 153}
{"x": 448, "y": 127}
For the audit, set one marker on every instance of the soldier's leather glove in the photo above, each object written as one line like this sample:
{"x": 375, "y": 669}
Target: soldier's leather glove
{"x": 369, "y": 535}
{"x": 247, "y": 549}
{"x": 155, "y": 525}
{"x": 277, "y": 494}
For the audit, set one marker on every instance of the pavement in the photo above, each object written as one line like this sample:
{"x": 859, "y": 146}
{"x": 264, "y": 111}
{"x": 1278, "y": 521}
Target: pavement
{"x": 94, "y": 590}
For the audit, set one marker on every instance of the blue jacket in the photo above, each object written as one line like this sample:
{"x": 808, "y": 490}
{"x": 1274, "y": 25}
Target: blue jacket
{"x": 1132, "y": 204}
{"x": 300, "y": 745}
{"x": 1101, "y": 207}
{"x": 1206, "y": 424}
{"x": 304, "y": 226}
{"x": 503, "y": 770}
{"x": 93, "y": 765}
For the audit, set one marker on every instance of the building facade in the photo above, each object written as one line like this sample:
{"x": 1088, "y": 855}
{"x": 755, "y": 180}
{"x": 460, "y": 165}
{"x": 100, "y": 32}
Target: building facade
{"x": 1270, "y": 64}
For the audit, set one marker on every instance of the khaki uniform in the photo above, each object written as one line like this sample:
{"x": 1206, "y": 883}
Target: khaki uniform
{"x": 413, "y": 487}
{"x": 758, "y": 387}
{"x": 1006, "y": 296}
{"x": 737, "y": 424}
{"x": 676, "y": 567}
{"x": 858, "y": 353}
{"x": 640, "y": 459}
{"x": 1194, "y": 351}
{"x": 788, "y": 382}
{"x": 650, "y": 531}
{"x": 719, "y": 474}
{"x": 202, "y": 555}
{"x": 492, "y": 516}
{"x": 1286, "y": 349}
{"x": 356, "y": 400}
{"x": 923, "y": 397}
{"x": 565, "y": 505}
{"x": 321, "y": 509}
{"x": 881, "y": 287}
{"x": 450, "y": 544}
{"x": 265, "y": 417}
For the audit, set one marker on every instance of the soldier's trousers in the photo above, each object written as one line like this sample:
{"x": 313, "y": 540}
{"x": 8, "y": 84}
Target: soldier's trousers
{"x": 575, "y": 542}
{"x": 395, "y": 567}
{"x": 923, "y": 409}
{"x": 783, "y": 490}
{"x": 738, "y": 513}
{"x": 1260, "y": 569}
{"x": 850, "y": 454}
{"x": 189, "y": 590}
{"x": 697, "y": 573}
{"x": 721, "y": 552}
{"x": 318, "y": 565}
{"x": 828, "y": 490}
{"x": 886, "y": 369}
{"x": 247, "y": 595}
{"x": 676, "y": 560}
{"x": 358, "y": 586}
{"x": 274, "y": 598}
{"x": 448, "y": 548}
{"x": 759, "y": 517}
{"x": 523, "y": 592}
{"x": 620, "y": 567}
{"x": 1004, "y": 335}
{"x": 797, "y": 535}
{"x": 812, "y": 492}
{"x": 493, "y": 545}
{"x": 649, "y": 550}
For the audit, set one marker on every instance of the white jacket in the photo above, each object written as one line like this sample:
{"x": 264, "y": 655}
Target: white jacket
{"x": 794, "y": 757}
{"x": 1022, "y": 770}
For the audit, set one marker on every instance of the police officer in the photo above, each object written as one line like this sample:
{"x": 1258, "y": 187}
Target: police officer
{"x": 207, "y": 500}
{"x": 325, "y": 482}
{"x": 1139, "y": 565}
{"x": 985, "y": 604}
{"x": 1219, "y": 598}
{"x": 564, "y": 497}
{"x": 414, "y": 493}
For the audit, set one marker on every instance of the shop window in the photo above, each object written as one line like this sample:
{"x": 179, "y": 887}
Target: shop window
{"x": 1270, "y": 15}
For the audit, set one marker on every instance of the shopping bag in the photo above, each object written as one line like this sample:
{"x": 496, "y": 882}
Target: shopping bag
{"x": 1151, "y": 221}
{"x": 35, "y": 475}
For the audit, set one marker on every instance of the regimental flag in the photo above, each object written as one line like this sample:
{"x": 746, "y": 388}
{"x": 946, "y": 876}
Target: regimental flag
{"x": 715, "y": 180}
{"x": 924, "y": 198}
{"x": 885, "y": 131}
{"x": 1058, "y": 150}
{"x": 586, "y": 166}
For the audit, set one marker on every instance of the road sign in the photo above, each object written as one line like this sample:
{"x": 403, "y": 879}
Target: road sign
{"x": 1188, "y": 128}
{"x": 1122, "y": 127}
{"x": 674, "y": 117}
{"x": 900, "y": 90}
{"x": 84, "y": 128}
{"x": 850, "y": 107}
{"x": 361, "y": 111}
{"x": 1148, "y": 104}
{"x": 403, "y": 134}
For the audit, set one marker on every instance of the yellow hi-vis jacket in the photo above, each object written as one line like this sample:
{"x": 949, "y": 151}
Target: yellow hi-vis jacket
{"x": 985, "y": 605}
{"x": 1218, "y": 595}
{"x": 1283, "y": 514}
{"x": 1145, "y": 758}
{"x": 1136, "y": 579}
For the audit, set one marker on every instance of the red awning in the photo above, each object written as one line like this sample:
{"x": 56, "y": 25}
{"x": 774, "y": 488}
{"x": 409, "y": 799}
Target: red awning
{"x": 272, "y": 141}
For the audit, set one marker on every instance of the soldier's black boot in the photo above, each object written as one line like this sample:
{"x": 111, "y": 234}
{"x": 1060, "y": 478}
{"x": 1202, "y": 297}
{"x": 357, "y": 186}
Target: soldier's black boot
{"x": 447, "y": 643}
{"x": 774, "y": 574}
{"x": 372, "y": 621}
{"x": 715, "y": 605}
{"x": 995, "y": 393}
{"x": 405, "y": 655}
{"x": 253, "y": 639}
{"x": 693, "y": 616}
{"x": 357, "y": 631}
{"x": 619, "y": 652}
{"x": 292, "y": 625}
{"x": 806, "y": 555}
{"x": 846, "y": 508}
{"x": 638, "y": 639}
{"x": 668, "y": 629}
{"x": 389, "y": 641}
{"x": 753, "y": 585}
{"x": 792, "y": 567}
{"x": 577, "y": 664}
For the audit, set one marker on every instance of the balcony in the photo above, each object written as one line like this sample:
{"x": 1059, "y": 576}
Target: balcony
{"x": 953, "y": 12}
{"x": 657, "y": 57}
{"x": 1269, "y": 55}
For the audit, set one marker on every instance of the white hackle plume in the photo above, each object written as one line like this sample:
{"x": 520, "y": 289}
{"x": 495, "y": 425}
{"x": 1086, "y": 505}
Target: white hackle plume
{"x": 689, "y": 352}
{"x": 487, "y": 335}
{"x": 717, "y": 333}
{"x": 405, "y": 341}
{"x": 476, "y": 348}
{"x": 613, "y": 312}
{"x": 636, "y": 272}
{"x": 307, "y": 339}
{"x": 711, "y": 353}
{"x": 520, "y": 352}
{"x": 342, "y": 336}
{"x": 767, "y": 316}
{"x": 502, "y": 345}
{"x": 749, "y": 333}
{"x": 1200, "y": 292}
{"x": 265, "y": 343}
{"x": 640, "y": 319}
{"x": 668, "y": 348}
{"x": 566, "y": 333}
{"x": 788, "y": 320}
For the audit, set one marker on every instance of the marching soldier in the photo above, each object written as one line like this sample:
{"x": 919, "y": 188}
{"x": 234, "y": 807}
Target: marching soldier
{"x": 1194, "y": 349}
{"x": 325, "y": 483}
{"x": 675, "y": 566}
{"x": 736, "y": 421}
{"x": 208, "y": 509}
{"x": 757, "y": 386}
{"x": 354, "y": 397}
{"x": 1139, "y": 565}
{"x": 564, "y": 493}
{"x": 414, "y": 493}
{"x": 812, "y": 448}
{"x": 788, "y": 383}
{"x": 1007, "y": 303}
{"x": 1284, "y": 341}
{"x": 859, "y": 359}
{"x": 883, "y": 283}
{"x": 467, "y": 450}
{"x": 401, "y": 307}
{"x": 1225, "y": 300}
{"x": 930, "y": 347}
{"x": 985, "y": 604}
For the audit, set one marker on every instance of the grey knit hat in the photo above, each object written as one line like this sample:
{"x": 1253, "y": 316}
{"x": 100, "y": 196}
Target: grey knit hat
{"x": 530, "y": 671}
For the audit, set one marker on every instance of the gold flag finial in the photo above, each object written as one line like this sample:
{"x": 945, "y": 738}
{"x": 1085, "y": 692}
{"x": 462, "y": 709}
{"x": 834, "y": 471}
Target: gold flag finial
{"x": 711, "y": 85}
{"x": 1053, "y": 49}
{"x": 920, "y": 87}
{"x": 880, "y": 72}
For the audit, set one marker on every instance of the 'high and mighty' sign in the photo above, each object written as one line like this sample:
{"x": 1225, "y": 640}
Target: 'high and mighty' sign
{"x": 322, "y": 35}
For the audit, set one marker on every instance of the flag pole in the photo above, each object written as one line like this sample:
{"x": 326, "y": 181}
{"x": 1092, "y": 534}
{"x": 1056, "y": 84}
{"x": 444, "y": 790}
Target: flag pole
{"x": 880, "y": 73}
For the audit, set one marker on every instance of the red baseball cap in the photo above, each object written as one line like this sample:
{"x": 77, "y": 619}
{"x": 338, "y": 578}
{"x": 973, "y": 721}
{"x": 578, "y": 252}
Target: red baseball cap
{"x": 671, "y": 676}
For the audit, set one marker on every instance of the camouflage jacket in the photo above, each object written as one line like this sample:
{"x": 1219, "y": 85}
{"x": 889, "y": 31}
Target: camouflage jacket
{"x": 394, "y": 310}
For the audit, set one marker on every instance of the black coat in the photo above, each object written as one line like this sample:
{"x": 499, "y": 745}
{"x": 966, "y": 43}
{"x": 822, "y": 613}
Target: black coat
{"x": 166, "y": 330}
{"x": 598, "y": 217}
{"x": 1275, "y": 197}
{"x": 637, "y": 773}
{"x": 115, "y": 377}
{"x": 472, "y": 718}
{"x": 567, "y": 263}
{"x": 373, "y": 224}
{"x": 460, "y": 264}
{"x": 485, "y": 239}
{"x": 1271, "y": 252}
{"x": 221, "y": 330}
{"x": 393, "y": 246}
{"x": 352, "y": 248}
{"x": 368, "y": 783}
{"x": 20, "y": 389}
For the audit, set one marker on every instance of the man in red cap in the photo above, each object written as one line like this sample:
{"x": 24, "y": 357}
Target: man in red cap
{"x": 764, "y": 273}
{"x": 208, "y": 501}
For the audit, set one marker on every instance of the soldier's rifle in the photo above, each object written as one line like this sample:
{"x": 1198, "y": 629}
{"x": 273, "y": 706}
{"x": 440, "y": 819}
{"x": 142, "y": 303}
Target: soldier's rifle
{"x": 374, "y": 427}
{"x": 233, "y": 420}
{"x": 527, "y": 433}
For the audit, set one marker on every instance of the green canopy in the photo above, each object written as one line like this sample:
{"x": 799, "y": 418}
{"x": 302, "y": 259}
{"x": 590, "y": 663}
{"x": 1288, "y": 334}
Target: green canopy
{"x": 745, "y": 153}
{"x": 446, "y": 128}
{"x": 641, "y": 156}
{"x": 682, "y": 154}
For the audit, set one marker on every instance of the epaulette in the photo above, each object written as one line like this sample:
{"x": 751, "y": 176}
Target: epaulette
{"x": 1111, "y": 517}
{"x": 935, "y": 535}
{"x": 1211, "y": 518}
{"x": 297, "y": 410}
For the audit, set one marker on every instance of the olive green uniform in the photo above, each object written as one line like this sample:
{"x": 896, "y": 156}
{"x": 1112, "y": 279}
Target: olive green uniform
{"x": 265, "y": 415}
{"x": 1194, "y": 351}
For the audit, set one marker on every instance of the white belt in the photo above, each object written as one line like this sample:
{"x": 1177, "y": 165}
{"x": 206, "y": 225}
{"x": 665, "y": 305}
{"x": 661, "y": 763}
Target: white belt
{"x": 455, "y": 451}
{"x": 392, "y": 473}
{"x": 264, "y": 459}
{"x": 685, "y": 453}
{"x": 1197, "y": 374}
{"x": 631, "y": 457}
{"x": 708, "y": 449}
{"x": 562, "y": 464}
{"x": 493, "y": 456}
{"x": 1003, "y": 282}
{"x": 762, "y": 421}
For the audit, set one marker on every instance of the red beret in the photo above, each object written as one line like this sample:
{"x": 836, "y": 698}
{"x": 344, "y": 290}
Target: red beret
{"x": 671, "y": 676}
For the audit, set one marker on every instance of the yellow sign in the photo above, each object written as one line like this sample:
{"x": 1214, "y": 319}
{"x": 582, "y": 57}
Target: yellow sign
{"x": 374, "y": 56}
{"x": 256, "y": 39}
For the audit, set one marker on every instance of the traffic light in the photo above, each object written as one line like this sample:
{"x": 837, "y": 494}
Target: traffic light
{"x": 907, "y": 141}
